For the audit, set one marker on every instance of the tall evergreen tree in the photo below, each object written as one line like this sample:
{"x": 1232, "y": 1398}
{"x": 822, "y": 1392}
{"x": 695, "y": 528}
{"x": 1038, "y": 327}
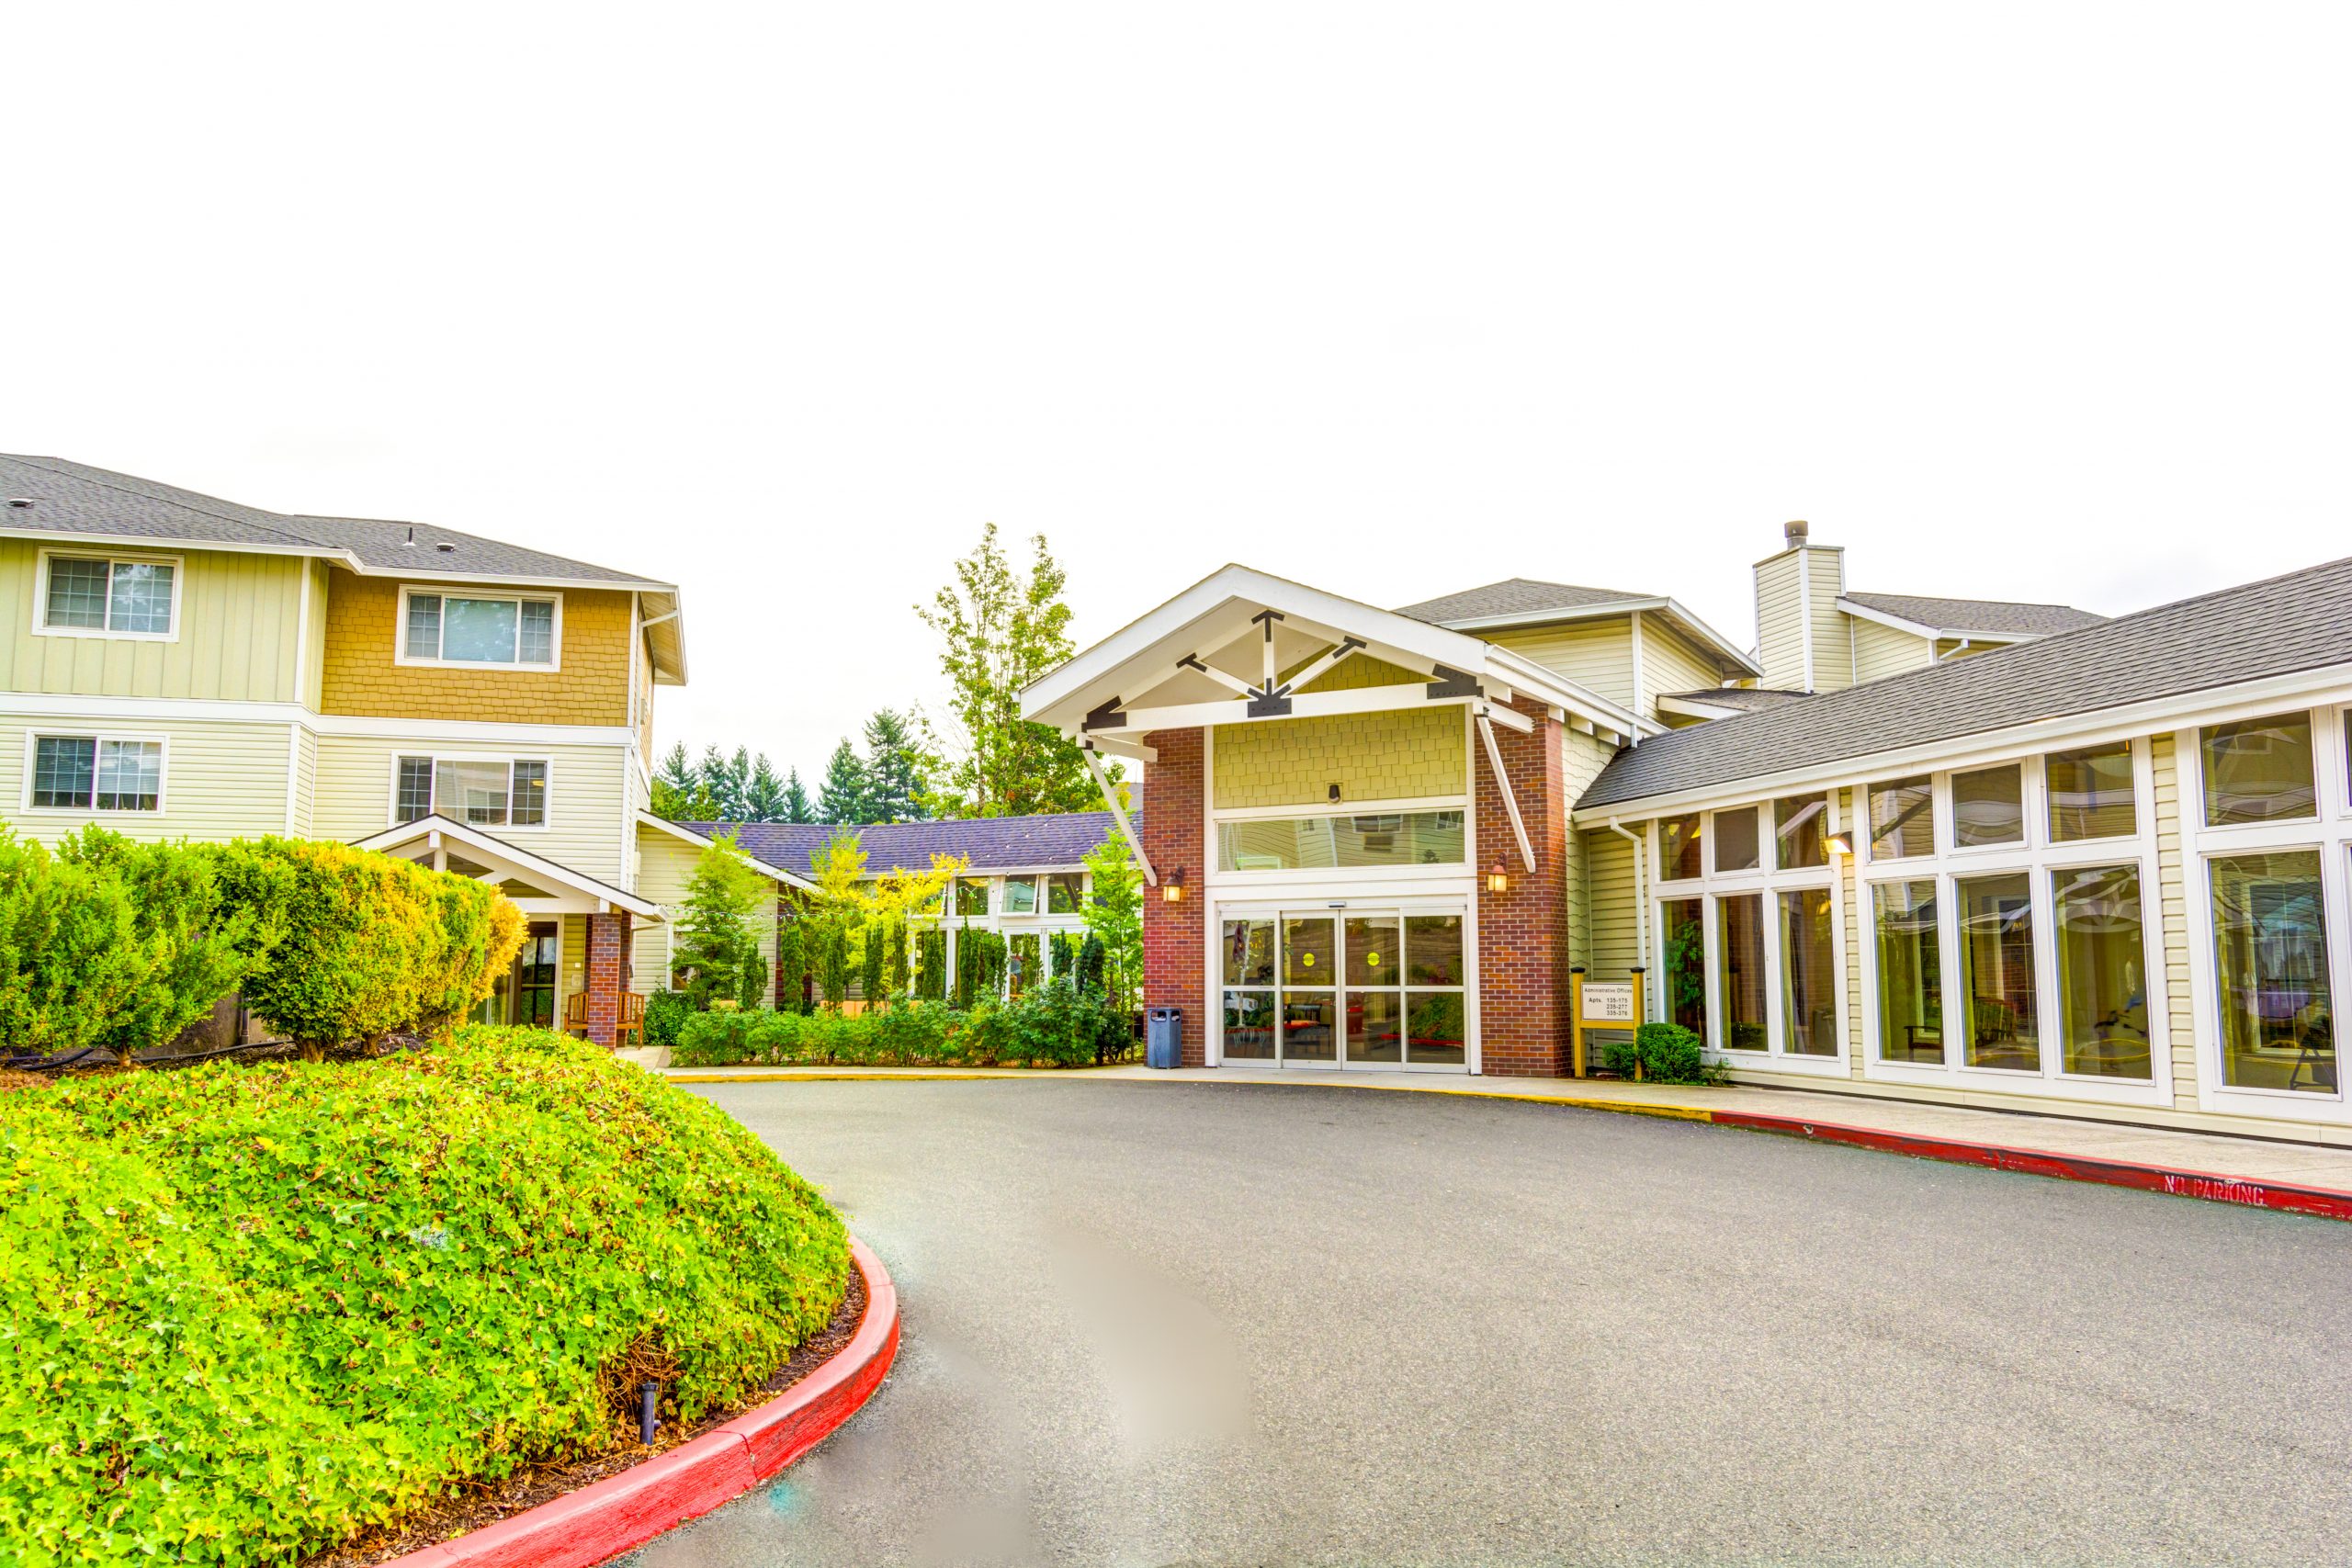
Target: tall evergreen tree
{"x": 895, "y": 784}
{"x": 796, "y": 807}
{"x": 763, "y": 800}
{"x": 1001, "y": 629}
{"x": 840, "y": 797}
{"x": 678, "y": 794}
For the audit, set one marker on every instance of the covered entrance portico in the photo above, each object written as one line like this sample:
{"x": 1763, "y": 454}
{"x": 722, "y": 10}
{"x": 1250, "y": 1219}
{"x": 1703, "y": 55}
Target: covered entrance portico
{"x": 1354, "y": 827}
{"x": 577, "y": 941}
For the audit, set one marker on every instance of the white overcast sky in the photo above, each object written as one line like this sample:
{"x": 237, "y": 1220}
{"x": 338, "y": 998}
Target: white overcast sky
{"x": 783, "y": 302}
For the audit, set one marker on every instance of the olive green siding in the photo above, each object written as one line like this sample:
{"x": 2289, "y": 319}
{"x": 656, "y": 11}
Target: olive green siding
{"x": 1403, "y": 754}
{"x": 223, "y": 779}
{"x": 587, "y": 786}
{"x": 1597, "y": 655}
{"x": 1882, "y": 650}
{"x": 236, "y": 631}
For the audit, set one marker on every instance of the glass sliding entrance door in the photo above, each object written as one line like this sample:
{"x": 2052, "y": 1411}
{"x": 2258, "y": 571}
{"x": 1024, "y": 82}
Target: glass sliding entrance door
{"x": 1359, "y": 988}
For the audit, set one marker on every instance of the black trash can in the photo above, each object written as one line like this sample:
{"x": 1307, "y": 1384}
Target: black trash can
{"x": 1163, "y": 1042}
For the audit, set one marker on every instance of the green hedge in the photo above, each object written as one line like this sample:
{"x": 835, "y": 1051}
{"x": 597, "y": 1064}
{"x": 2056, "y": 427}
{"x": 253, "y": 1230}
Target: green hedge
{"x": 1055, "y": 1025}
{"x": 254, "y": 1310}
{"x": 1666, "y": 1052}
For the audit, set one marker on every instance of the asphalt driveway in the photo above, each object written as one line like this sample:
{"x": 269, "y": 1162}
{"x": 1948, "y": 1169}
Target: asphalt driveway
{"x": 1161, "y": 1323}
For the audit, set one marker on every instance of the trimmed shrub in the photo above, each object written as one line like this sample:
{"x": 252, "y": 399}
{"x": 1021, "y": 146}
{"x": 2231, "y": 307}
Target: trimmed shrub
{"x": 1054, "y": 1026}
{"x": 365, "y": 944}
{"x": 194, "y": 950}
{"x": 665, "y": 1013}
{"x": 1667, "y": 1053}
{"x": 257, "y": 1310}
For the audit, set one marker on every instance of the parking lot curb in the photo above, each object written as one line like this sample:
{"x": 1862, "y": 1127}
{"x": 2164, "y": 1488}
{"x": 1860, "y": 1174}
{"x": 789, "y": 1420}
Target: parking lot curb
{"x": 625, "y": 1511}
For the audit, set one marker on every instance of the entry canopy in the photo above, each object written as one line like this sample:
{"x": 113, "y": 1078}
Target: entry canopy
{"x": 1238, "y": 646}
{"x": 549, "y": 887}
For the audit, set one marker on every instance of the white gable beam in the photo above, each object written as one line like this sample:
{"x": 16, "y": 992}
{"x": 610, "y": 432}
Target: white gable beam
{"x": 1119, "y": 815}
{"x": 1510, "y": 797}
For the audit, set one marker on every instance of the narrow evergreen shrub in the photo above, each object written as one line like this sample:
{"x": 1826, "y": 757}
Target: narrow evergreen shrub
{"x": 1055, "y": 1025}
{"x": 255, "y": 1311}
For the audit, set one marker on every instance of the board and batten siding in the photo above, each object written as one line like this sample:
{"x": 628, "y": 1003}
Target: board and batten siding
{"x": 1597, "y": 654}
{"x": 1881, "y": 651}
{"x": 236, "y": 633}
{"x": 222, "y": 778}
{"x": 585, "y": 787}
{"x": 665, "y": 866}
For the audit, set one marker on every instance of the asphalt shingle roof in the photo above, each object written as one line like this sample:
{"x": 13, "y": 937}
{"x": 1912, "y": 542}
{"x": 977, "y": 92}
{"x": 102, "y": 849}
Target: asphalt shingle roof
{"x": 1981, "y": 615}
{"x": 1512, "y": 597}
{"x": 74, "y": 498}
{"x": 987, "y": 842}
{"x": 2273, "y": 627}
{"x": 1750, "y": 698}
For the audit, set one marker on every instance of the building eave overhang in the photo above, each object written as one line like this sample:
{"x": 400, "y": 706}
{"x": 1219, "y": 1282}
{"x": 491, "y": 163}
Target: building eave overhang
{"x": 1934, "y": 633}
{"x": 663, "y": 825}
{"x": 1721, "y": 647}
{"x": 539, "y": 868}
{"x": 2176, "y": 710}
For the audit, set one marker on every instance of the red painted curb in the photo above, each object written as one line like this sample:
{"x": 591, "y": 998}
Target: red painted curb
{"x": 2213, "y": 1186}
{"x": 621, "y": 1512}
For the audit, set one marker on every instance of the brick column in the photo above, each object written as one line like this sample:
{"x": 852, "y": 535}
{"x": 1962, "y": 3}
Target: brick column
{"x": 1523, "y": 932}
{"x": 608, "y": 974}
{"x": 1175, "y": 793}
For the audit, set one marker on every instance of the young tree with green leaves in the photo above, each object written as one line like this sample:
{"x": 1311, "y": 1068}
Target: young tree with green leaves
{"x": 1001, "y": 629}
{"x": 719, "y": 930}
{"x": 1113, "y": 916}
{"x": 840, "y": 797}
{"x": 896, "y": 771}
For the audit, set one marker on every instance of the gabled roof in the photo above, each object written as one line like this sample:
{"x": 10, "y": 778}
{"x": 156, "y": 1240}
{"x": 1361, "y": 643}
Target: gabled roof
{"x": 1524, "y": 602}
{"x": 1961, "y": 618}
{"x": 1211, "y": 617}
{"x": 73, "y": 499}
{"x": 2279, "y": 626}
{"x": 701, "y": 840}
{"x": 513, "y": 859}
{"x": 988, "y": 843}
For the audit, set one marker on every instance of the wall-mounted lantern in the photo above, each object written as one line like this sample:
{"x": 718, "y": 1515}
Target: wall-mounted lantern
{"x": 1172, "y": 890}
{"x": 1498, "y": 879}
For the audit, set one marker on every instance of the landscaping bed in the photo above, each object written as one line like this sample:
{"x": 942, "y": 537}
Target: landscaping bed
{"x": 1056, "y": 1025}
{"x": 260, "y": 1313}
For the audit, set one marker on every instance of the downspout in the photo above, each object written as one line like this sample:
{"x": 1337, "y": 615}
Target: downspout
{"x": 1641, "y": 901}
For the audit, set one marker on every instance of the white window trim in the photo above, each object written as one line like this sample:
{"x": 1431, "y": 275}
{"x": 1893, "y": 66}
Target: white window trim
{"x": 400, "y": 629}
{"x": 139, "y": 557}
{"x": 2040, "y": 859}
{"x": 1769, "y": 882}
{"x": 2329, "y": 833}
{"x": 35, "y": 734}
{"x": 392, "y": 786}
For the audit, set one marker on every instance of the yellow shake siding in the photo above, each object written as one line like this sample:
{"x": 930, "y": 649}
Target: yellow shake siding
{"x": 361, "y": 675}
{"x": 1882, "y": 650}
{"x": 586, "y": 787}
{"x": 223, "y": 779}
{"x": 1403, "y": 754}
{"x": 665, "y": 866}
{"x": 1597, "y": 655}
{"x": 238, "y": 615}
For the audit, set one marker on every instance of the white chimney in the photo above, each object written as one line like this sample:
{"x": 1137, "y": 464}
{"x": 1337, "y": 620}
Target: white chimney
{"x": 1800, "y": 635}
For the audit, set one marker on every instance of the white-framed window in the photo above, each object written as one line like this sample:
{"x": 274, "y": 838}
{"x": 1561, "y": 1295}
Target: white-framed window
{"x": 108, "y": 594}
{"x": 2266, "y": 828}
{"x": 481, "y": 792}
{"x": 466, "y": 628}
{"x": 101, "y": 772}
{"x": 1749, "y": 926}
{"x": 2010, "y": 919}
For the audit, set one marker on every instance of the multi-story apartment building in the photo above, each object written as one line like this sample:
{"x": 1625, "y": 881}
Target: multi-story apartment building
{"x": 177, "y": 666}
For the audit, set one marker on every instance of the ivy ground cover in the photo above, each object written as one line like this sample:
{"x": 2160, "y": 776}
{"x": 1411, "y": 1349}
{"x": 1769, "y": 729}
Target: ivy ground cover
{"x": 247, "y": 1313}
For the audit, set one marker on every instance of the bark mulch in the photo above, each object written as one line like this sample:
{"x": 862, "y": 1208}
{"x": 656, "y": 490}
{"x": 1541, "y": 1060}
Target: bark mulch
{"x": 486, "y": 1503}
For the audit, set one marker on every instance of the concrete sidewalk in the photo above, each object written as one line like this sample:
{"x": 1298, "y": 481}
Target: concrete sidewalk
{"x": 2249, "y": 1170}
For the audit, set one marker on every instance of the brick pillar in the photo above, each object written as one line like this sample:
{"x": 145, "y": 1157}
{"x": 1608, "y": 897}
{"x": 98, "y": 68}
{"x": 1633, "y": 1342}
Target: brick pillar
{"x": 608, "y": 974}
{"x": 1523, "y": 931}
{"x": 1174, "y": 794}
